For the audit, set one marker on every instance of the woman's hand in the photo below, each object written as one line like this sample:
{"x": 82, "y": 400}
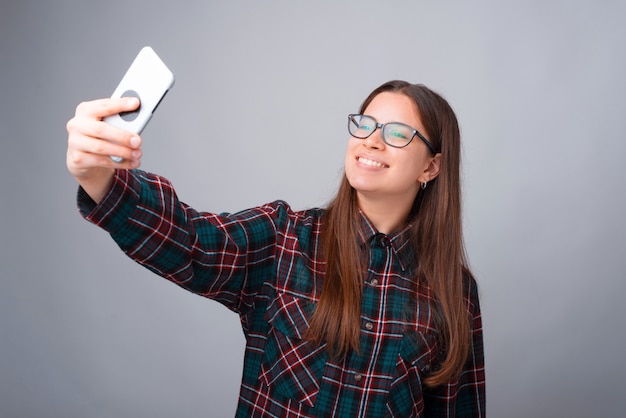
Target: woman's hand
{"x": 91, "y": 142}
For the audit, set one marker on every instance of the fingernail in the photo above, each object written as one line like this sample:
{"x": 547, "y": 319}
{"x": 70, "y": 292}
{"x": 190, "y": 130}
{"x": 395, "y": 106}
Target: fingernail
{"x": 136, "y": 154}
{"x": 133, "y": 101}
{"x": 134, "y": 163}
{"x": 134, "y": 141}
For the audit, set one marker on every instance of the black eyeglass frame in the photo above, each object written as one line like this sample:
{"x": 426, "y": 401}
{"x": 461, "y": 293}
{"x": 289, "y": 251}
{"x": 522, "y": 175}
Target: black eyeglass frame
{"x": 382, "y": 125}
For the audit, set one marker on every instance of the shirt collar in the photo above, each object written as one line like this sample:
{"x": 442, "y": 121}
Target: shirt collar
{"x": 399, "y": 241}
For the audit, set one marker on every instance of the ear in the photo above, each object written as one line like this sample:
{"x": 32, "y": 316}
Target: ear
{"x": 432, "y": 169}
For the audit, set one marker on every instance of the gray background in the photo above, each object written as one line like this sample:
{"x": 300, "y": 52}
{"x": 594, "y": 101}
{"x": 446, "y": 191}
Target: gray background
{"x": 258, "y": 113}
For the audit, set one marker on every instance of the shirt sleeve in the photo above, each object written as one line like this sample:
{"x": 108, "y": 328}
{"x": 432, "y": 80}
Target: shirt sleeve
{"x": 471, "y": 396}
{"x": 226, "y": 257}
{"x": 465, "y": 397}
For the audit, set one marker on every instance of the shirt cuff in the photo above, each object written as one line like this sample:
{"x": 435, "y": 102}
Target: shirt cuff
{"x": 115, "y": 208}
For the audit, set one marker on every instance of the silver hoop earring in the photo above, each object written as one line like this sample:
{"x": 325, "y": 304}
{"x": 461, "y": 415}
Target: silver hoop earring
{"x": 424, "y": 184}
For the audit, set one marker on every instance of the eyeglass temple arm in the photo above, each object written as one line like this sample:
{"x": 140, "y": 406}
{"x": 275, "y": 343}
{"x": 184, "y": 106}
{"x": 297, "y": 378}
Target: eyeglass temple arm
{"x": 428, "y": 143}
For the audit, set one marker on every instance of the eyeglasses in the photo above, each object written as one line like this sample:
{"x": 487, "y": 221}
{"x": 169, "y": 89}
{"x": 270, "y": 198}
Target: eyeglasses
{"x": 394, "y": 134}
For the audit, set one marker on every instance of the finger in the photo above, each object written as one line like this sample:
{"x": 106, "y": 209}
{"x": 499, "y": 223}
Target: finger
{"x": 102, "y": 108}
{"x": 80, "y": 162}
{"x": 80, "y": 127}
{"x": 125, "y": 163}
{"x": 96, "y": 146}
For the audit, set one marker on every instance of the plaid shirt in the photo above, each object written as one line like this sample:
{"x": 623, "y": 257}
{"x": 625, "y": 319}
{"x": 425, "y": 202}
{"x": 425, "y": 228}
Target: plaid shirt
{"x": 265, "y": 264}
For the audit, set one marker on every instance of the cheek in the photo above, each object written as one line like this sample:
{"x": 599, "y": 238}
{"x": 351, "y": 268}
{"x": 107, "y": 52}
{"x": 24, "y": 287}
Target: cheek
{"x": 348, "y": 163}
{"x": 351, "y": 147}
{"x": 413, "y": 167}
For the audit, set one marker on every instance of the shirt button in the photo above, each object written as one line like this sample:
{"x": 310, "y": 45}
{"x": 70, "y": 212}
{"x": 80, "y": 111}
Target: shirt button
{"x": 374, "y": 282}
{"x": 369, "y": 326}
{"x": 358, "y": 376}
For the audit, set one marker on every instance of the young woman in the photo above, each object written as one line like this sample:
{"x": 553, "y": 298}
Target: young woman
{"x": 363, "y": 309}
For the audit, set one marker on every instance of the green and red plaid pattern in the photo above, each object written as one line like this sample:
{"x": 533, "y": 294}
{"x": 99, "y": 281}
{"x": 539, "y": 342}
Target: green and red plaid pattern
{"x": 265, "y": 264}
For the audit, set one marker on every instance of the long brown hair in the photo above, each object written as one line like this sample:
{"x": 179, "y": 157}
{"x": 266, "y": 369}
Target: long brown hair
{"x": 437, "y": 239}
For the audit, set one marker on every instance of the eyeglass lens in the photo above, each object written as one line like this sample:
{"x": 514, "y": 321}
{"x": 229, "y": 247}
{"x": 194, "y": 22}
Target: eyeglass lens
{"x": 395, "y": 133}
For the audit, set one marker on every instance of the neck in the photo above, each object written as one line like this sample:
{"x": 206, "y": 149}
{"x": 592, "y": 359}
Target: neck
{"x": 387, "y": 214}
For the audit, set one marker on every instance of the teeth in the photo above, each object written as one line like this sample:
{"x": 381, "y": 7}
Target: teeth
{"x": 371, "y": 163}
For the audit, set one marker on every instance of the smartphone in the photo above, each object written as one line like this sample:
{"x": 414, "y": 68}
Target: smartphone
{"x": 148, "y": 79}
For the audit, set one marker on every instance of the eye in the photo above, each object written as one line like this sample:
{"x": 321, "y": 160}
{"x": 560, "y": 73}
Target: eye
{"x": 361, "y": 126}
{"x": 366, "y": 124}
{"x": 398, "y": 134}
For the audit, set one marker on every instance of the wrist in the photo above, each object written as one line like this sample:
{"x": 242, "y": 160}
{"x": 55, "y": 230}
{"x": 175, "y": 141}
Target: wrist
{"x": 97, "y": 184}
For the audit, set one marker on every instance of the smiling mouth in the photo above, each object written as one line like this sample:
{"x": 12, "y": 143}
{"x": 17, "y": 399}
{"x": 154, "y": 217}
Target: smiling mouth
{"x": 371, "y": 163}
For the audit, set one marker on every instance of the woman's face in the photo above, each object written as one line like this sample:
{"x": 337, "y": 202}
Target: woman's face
{"x": 377, "y": 170}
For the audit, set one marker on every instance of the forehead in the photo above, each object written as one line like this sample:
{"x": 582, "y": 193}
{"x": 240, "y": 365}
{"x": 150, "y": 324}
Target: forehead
{"x": 394, "y": 107}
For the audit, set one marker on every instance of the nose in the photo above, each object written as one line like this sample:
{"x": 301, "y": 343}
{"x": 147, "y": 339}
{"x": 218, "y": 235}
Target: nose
{"x": 375, "y": 140}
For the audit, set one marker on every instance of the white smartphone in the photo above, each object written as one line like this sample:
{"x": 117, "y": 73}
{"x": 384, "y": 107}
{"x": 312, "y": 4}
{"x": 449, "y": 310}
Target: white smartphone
{"x": 148, "y": 79}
